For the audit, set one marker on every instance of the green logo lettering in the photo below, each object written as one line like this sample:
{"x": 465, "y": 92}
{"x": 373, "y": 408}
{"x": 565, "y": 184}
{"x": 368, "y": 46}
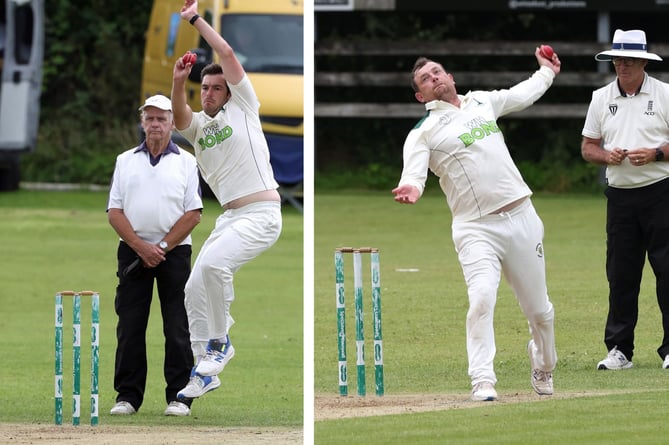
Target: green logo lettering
{"x": 466, "y": 139}
{"x": 213, "y": 139}
{"x": 480, "y": 132}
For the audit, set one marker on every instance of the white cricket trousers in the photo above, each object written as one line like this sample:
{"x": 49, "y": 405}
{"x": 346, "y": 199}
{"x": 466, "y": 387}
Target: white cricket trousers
{"x": 509, "y": 242}
{"x": 238, "y": 236}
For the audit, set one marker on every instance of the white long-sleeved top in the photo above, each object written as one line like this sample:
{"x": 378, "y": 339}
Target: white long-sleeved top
{"x": 465, "y": 148}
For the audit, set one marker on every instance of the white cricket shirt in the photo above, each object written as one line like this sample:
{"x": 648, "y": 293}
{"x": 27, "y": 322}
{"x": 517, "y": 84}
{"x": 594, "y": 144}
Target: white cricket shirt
{"x": 465, "y": 148}
{"x": 154, "y": 197}
{"x": 231, "y": 148}
{"x": 640, "y": 121}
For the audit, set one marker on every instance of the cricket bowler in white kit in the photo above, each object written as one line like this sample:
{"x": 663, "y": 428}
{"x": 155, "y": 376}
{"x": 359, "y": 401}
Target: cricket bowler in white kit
{"x": 233, "y": 157}
{"x": 495, "y": 227}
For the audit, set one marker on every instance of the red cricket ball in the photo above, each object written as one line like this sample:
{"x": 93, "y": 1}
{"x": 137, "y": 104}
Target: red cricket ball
{"x": 189, "y": 58}
{"x": 546, "y": 51}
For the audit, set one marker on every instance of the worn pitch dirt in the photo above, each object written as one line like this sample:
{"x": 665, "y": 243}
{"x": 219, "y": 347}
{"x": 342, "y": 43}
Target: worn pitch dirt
{"x": 329, "y": 406}
{"x": 134, "y": 435}
{"x": 326, "y": 407}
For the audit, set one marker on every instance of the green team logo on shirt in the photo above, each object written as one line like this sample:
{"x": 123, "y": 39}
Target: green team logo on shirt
{"x": 479, "y": 130}
{"x": 214, "y": 136}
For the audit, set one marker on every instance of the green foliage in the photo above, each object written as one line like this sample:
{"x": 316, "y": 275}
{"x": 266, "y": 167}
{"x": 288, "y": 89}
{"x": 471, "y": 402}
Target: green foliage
{"x": 90, "y": 89}
{"x": 555, "y": 177}
{"x": 93, "y": 59}
{"x": 75, "y": 152}
{"x": 373, "y": 176}
{"x": 367, "y": 154}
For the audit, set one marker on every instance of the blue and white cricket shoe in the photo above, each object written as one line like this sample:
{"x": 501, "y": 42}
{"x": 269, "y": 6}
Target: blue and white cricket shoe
{"x": 218, "y": 355}
{"x": 198, "y": 385}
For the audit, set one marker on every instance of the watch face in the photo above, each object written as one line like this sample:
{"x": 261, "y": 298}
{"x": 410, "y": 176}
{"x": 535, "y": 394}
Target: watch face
{"x": 163, "y": 245}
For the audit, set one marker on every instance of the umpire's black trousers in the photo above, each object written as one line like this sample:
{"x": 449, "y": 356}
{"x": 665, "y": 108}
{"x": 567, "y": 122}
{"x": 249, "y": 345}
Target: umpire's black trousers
{"x": 132, "y": 304}
{"x": 637, "y": 224}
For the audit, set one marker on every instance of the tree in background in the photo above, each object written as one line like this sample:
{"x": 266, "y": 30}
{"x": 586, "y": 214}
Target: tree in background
{"x": 90, "y": 90}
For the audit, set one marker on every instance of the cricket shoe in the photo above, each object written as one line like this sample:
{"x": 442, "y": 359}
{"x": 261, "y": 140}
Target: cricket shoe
{"x": 542, "y": 381}
{"x": 218, "y": 355}
{"x": 615, "y": 360}
{"x": 665, "y": 365}
{"x": 177, "y": 409}
{"x": 484, "y": 392}
{"x": 198, "y": 385}
{"x": 122, "y": 408}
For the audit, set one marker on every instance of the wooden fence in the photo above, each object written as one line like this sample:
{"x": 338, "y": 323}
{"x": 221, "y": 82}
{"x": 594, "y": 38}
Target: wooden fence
{"x": 488, "y": 78}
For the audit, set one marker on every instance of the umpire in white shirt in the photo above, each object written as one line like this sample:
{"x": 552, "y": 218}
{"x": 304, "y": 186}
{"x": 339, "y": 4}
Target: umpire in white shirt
{"x": 154, "y": 204}
{"x": 626, "y": 130}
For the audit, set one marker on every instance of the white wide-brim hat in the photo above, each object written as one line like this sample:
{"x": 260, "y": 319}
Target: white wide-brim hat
{"x": 628, "y": 44}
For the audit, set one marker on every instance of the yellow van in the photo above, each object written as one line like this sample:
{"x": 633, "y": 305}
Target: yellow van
{"x": 267, "y": 36}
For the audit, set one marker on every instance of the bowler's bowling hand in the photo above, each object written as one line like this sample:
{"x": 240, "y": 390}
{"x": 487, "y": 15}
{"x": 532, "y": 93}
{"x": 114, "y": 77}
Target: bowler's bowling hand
{"x": 406, "y": 194}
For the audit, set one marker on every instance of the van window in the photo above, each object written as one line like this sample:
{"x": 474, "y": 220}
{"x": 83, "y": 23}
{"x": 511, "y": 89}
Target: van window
{"x": 23, "y": 34}
{"x": 175, "y": 20}
{"x": 266, "y": 43}
{"x": 3, "y": 30}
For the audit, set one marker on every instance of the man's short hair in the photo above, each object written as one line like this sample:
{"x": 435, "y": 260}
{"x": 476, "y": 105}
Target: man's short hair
{"x": 212, "y": 68}
{"x": 420, "y": 63}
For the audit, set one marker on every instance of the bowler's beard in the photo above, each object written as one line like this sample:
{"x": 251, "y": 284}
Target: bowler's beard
{"x": 442, "y": 92}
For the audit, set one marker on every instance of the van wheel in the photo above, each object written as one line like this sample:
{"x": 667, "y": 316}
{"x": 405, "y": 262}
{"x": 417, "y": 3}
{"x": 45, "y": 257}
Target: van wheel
{"x": 10, "y": 173}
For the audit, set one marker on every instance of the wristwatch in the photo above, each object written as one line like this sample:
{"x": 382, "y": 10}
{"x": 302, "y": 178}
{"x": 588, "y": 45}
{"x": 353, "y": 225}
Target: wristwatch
{"x": 659, "y": 154}
{"x": 163, "y": 245}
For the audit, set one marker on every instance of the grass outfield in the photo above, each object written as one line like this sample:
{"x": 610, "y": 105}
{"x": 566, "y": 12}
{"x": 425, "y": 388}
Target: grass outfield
{"x": 424, "y": 335}
{"x": 54, "y": 241}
